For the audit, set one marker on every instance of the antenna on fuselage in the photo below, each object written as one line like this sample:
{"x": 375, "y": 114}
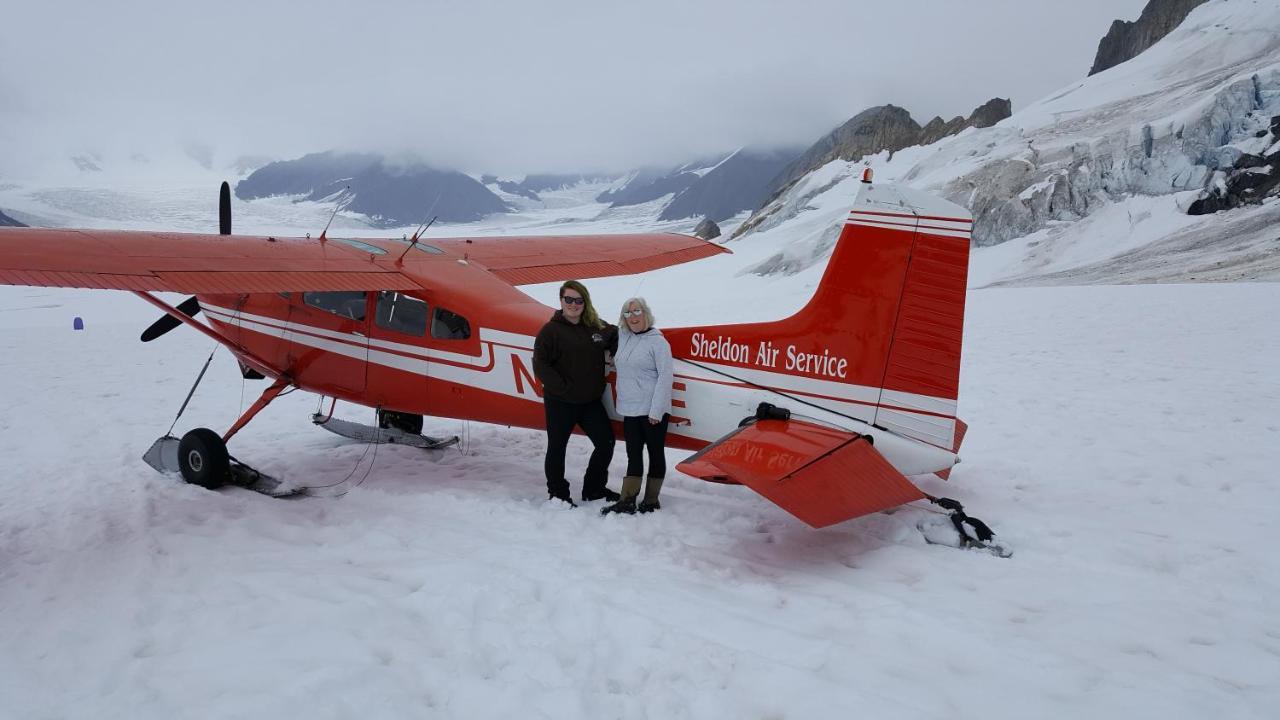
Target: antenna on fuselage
{"x": 336, "y": 209}
{"x": 417, "y": 234}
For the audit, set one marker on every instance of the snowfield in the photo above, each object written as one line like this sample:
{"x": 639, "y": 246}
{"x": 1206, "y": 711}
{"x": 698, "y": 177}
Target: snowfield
{"x": 1124, "y": 440}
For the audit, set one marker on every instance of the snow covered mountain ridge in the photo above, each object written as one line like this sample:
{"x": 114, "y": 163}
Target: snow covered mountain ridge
{"x": 1166, "y": 126}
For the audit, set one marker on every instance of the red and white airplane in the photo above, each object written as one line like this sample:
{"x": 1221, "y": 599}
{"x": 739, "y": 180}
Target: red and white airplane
{"x": 863, "y": 381}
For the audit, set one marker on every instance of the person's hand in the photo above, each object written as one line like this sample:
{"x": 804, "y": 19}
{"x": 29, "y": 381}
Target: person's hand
{"x": 653, "y": 421}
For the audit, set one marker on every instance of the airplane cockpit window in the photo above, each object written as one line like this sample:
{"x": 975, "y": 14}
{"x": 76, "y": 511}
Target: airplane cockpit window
{"x": 347, "y": 303}
{"x": 362, "y": 246}
{"x": 401, "y": 313}
{"x": 429, "y": 249}
{"x": 446, "y": 325}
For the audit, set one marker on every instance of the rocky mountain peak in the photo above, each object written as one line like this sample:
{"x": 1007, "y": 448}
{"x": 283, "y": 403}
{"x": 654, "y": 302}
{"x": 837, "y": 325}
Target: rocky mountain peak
{"x": 874, "y": 130}
{"x": 388, "y": 193}
{"x": 990, "y": 112}
{"x": 1126, "y": 39}
{"x": 985, "y": 115}
{"x": 884, "y": 127}
{"x": 707, "y": 229}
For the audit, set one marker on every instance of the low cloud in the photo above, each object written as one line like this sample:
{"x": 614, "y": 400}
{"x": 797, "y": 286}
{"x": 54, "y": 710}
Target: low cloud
{"x": 560, "y": 85}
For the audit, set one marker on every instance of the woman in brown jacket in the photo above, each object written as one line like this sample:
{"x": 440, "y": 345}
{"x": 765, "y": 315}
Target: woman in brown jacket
{"x": 569, "y": 361}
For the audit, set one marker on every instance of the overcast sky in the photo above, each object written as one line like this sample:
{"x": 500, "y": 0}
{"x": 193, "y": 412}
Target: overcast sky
{"x": 513, "y": 87}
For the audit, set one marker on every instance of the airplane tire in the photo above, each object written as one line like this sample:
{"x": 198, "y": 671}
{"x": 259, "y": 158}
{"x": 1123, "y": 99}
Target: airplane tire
{"x": 407, "y": 422}
{"x": 203, "y": 458}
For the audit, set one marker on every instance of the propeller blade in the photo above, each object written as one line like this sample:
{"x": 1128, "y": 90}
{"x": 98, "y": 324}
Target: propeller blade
{"x": 224, "y": 209}
{"x": 188, "y": 307}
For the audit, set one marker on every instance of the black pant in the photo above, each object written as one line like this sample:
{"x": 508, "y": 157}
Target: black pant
{"x": 640, "y": 434}
{"x": 594, "y": 421}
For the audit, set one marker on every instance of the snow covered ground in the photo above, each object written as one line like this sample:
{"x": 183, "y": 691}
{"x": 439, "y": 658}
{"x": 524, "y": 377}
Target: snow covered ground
{"x": 1124, "y": 440}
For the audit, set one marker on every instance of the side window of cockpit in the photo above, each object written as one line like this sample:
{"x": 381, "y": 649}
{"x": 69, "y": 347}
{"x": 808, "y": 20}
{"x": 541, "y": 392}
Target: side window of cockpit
{"x": 446, "y": 325}
{"x": 401, "y": 313}
{"x": 347, "y": 303}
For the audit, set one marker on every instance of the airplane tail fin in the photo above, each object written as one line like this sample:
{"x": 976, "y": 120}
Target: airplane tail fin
{"x": 879, "y": 342}
{"x": 881, "y": 338}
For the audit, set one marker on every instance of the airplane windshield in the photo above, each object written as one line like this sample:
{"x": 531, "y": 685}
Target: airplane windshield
{"x": 429, "y": 249}
{"x": 363, "y": 246}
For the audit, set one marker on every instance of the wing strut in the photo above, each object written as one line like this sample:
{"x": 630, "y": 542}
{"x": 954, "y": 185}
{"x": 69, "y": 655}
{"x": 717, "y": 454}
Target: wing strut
{"x": 217, "y": 336}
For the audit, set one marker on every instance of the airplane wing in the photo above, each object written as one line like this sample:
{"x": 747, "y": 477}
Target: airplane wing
{"x": 535, "y": 259}
{"x": 198, "y": 263}
{"x": 188, "y": 263}
{"x": 819, "y": 474}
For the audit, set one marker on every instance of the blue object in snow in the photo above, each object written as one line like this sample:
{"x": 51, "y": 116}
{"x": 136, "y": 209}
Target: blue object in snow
{"x": 77, "y": 324}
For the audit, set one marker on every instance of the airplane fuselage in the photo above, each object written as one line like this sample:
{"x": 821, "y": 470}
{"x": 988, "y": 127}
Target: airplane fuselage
{"x": 468, "y": 354}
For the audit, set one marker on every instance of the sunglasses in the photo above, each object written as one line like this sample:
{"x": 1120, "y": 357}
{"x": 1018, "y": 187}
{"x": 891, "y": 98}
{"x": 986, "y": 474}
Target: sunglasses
{"x": 572, "y": 300}
{"x": 633, "y": 313}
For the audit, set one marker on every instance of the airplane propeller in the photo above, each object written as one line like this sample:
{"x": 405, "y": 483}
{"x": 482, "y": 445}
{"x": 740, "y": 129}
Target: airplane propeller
{"x": 191, "y": 305}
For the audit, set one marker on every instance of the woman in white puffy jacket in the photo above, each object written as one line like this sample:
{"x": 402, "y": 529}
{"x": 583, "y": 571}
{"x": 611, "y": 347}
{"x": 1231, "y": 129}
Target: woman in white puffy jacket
{"x": 643, "y": 362}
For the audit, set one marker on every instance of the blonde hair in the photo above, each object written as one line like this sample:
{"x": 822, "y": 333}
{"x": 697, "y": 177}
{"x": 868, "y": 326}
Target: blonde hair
{"x": 644, "y": 307}
{"x": 589, "y": 316}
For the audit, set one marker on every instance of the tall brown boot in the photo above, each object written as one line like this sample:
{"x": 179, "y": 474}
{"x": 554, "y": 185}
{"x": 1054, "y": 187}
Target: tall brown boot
{"x": 630, "y": 489}
{"x": 651, "y": 489}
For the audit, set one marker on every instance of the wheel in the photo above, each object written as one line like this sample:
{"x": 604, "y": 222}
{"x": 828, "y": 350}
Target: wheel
{"x": 408, "y": 422}
{"x": 203, "y": 458}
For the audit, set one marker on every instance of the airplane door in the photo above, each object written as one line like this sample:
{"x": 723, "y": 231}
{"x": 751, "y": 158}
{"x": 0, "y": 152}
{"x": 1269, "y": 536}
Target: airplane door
{"x": 328, "y": 334}
{"x": 398, "y": 351}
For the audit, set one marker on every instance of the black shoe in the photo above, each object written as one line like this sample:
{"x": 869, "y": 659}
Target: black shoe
{"x": 601, "y": 494}
{"x": 627, "y": 506}
{"x": 563, "y": 498}
{"x": 649, "y": 506}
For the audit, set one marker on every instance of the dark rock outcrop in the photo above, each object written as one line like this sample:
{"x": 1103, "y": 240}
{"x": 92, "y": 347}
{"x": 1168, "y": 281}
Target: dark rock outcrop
{"x": 741, "y": 182}
{"x": 1126, "y": 40}
{"x": 1251, "y": 179}
{"x": 989, "y": 113}
{"x": 6, "y": 221}
{"x": 887, "y": 127}
{"x": 985, "y": 115}
{"x": 707, "y": 229}
{"x": 389, "y": 194}
{"x": 937, "y": 128}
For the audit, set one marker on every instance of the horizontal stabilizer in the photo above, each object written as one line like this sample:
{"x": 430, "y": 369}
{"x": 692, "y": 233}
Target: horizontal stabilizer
{"x": 820, "y": 474}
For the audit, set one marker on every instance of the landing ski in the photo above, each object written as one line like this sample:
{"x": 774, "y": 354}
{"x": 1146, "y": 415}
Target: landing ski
{"x": 163, "y": 457}
{"x": 392, "y": 436}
